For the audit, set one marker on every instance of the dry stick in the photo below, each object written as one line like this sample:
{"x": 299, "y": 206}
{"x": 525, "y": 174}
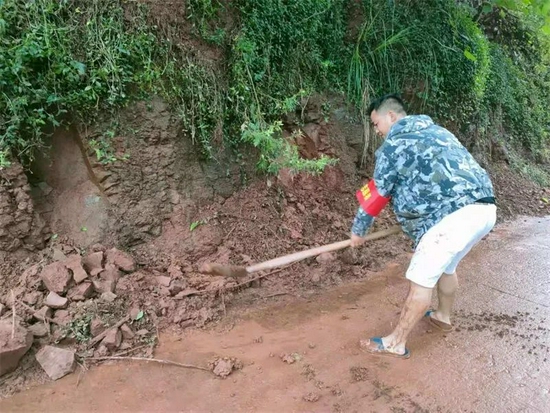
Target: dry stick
{"x": 101, "y": 336}
{"x": 171, "y": 363}
{"x": 122, "y": 353}
{"x": 13, "y": 316}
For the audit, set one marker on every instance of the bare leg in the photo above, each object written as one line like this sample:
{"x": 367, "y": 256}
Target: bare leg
{"x": 446, "y": 292}
{"x": 417, "y": 303}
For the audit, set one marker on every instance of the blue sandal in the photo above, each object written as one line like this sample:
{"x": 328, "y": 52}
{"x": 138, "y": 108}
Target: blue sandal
{"x": 445, "y": 327}
{"x": 375, "y": 346}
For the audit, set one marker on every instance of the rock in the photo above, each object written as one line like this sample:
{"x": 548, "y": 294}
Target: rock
{"x": 97, "y": 248}
{"x": 326, "y": 257}
{"x": 45, "y": 188}
{"x": 55, "y": 301}
{"x": 43, "y": 313}
{"x": 113, "y": 339}
{"x": 127, "y": 332}
{"x": 108, "y": 296}
{"x": 56, "y": 277}
{"x": 176, "y": 287}
{"x": 74, "y": 263}
{"x": 30, "y": 273}
{"x": 40, "y": 329}
{"x": 163, "y": 280}
{"x": 134, "y": 311}
{"x": 81, "y": 292}
{"x": 56, "y": 362}
{"x": 97, "y": 327}
{"x": 58, "y": 255}
{"x": 62, "y": 317}
{"x": 111, "y": 273}
{"x": 121, "y": 259}
{"x": 223, "y": 367}
{"x": 12, "y": 350}
{"x": 93, "y": 263}
{"x": 311, "y": 397}
{"x": 143, "y": 332}
{"x": 316, "y": 277}
{"x": 101, "y": 351}
{"x": 125, "y": 345}
{"x": 174, "y": 271}
{"x": 103, "y": 286}
{"x": 32, "y": 298}
{"x": 186, "y": 293}
{"x": 2, "y": 309}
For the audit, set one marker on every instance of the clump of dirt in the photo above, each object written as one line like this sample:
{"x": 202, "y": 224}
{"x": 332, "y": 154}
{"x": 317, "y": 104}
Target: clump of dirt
{"x": 359, "y": 373}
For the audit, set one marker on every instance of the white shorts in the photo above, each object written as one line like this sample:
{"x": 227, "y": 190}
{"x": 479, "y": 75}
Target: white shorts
{"x": 446, "y": 243}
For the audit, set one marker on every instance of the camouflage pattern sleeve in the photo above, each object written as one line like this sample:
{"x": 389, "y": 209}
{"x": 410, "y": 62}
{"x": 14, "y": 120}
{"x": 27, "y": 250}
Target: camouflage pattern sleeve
{"x": 361, "y": 223}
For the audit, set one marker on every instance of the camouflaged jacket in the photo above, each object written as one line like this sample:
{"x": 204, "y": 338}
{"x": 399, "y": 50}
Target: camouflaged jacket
{"x": 427, "y": 173}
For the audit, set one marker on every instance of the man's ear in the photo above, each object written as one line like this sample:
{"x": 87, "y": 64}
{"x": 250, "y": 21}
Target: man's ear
{"x": 393, "y": 116}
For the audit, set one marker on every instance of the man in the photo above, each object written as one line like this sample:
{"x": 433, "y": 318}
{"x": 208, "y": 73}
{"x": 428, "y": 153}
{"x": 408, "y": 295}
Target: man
{"x": 443, "y": 200}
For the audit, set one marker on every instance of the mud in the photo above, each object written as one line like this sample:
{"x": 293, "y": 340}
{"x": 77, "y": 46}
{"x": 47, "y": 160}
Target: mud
{"x": 504, "y": 287}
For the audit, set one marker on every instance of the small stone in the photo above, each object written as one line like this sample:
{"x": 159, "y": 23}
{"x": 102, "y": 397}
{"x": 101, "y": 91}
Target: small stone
{"x": 56, "y": 362}
{"x": 44, "y": 313}
{"x": 111, "y": 273}
{"x": 97, "y": 327}
{"x": 127, "y": 332}
{"x": 56, "y": 277}
{"x": 62, "y": 317}
{"x": 101, "y": 351}
{"x": 316, "y": 277}
{"x": 142, "y": 332}
{"x": 185, "y": 293}
{"x": 174, "y": 271}
{"x": 40, "y": 330}
{"x": 32, "y": 298}
{"x": 58, "y": 255}
{"x": 74, "y": 263}
{"x": 2, "y": 309}
{"x": 55, "y": 301}
{"x": 326, "y": 257}
{"x": 93, "y": 263}
{"x": 81, "y": 292}
{"x": 108, "y": 297}
{"x": 134, "y": 311}
{"x": 311, "y": 397}
{"x": 125, "y": 345}
{"x": 113, "y": 339}
{"x": 104, "y": 286}
{"x": 97, "y": 248}
{"x": 163, "y": 280}
{"x": 223, "y": 367}
{"x": 12, "y": 350}
{"x": 121, "y": 259}
{"x": 176, "y": 287}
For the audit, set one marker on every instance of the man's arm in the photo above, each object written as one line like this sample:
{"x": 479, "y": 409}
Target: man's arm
{"x": 374, "y": 196}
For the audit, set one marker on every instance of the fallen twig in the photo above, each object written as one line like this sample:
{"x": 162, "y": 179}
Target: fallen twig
{"x": 171, "y": 363}
{"x": 122, "y": 353}
{"x": 101, "y": 336}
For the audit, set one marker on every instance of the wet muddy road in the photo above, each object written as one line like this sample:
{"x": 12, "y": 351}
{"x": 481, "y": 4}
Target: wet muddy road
{"x": 497, "y": 360}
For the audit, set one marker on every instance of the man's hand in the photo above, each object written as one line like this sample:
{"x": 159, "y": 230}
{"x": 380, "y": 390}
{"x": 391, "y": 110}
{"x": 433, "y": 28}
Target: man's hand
{"x": 356, "y": 240}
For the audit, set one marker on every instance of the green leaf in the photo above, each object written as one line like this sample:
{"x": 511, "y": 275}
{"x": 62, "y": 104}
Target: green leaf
{"x": 545, "y": 200}
{"x": 470, "y": 56}
{"x": 194, "y": 225}
{"x": 84, "y": 229}
{"x": 54, "y": 237}
{"x": 139, "y": 315}
{"x": 487, "y": 8}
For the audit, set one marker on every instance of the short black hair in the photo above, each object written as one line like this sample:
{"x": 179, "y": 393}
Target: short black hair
{"x": 391, "y": 102}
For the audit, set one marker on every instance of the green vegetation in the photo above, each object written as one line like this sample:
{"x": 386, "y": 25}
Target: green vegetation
{"x": 66, "y": 61}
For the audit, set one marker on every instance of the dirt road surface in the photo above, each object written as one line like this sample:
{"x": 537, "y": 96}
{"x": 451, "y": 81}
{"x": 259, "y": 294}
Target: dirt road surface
{"x": 497, "y": 360}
